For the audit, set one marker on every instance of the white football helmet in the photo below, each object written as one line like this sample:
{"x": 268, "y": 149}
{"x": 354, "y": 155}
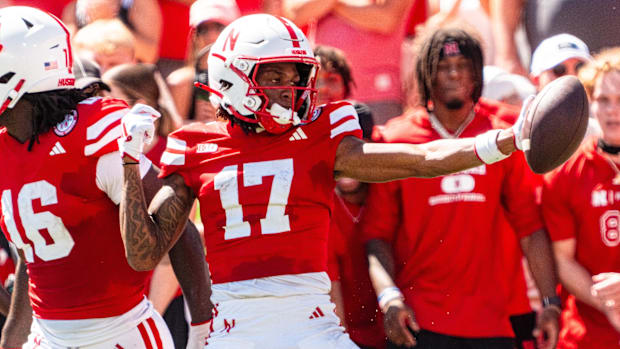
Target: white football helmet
{"x": 234, "y": 60}
{"x": 35, "y": 54}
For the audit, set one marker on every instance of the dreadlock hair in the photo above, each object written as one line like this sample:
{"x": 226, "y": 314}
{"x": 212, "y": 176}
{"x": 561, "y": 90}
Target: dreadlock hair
{"x": 431, "y": 52}
{"x": 247, "y": 127}
{"x": 50, "y": 108}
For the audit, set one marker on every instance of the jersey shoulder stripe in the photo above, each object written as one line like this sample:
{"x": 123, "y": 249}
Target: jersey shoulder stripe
{"x": 340, "y": 112}
{"x": 343, "y": 119}
{"x": 175, "y": 152}
{"x": 103, "y": 124}
{"x": 190, "y": 140}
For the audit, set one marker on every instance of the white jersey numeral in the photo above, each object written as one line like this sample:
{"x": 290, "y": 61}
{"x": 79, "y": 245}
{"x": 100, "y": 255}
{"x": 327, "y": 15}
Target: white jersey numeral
{"x": 226, "y": 183}
{"x": 610, "y": 228}
{"x": 458, "y": 183}
{"x": 275, "y": 221}
{"x": 34, "y": 222}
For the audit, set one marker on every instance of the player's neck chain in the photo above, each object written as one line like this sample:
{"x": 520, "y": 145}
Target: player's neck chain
{"x": 354, "y": 218}
{"x": 607, "y": 148}
{"x": 438, "y": 127}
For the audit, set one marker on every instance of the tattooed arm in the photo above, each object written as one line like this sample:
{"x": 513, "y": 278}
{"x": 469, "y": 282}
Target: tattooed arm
{"x": 164, "y": 228}
{"x": 148, "y": 234}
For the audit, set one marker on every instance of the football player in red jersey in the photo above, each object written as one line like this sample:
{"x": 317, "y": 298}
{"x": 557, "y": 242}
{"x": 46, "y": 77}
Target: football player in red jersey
{"x": 581, "y": 210}
{"x": 265, "y": 179}
{"x": 60, "y": 190}
{"x": 449, "y": 242}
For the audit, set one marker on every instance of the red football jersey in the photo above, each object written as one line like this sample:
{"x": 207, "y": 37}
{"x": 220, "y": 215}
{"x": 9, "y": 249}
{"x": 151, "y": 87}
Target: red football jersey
{"x": 265, "y": 200}
{"x": 580, "y": 201}
{"x": 67, "y": 227}
{"x": 348, "y": 253}
{"x": 453, "y": 254}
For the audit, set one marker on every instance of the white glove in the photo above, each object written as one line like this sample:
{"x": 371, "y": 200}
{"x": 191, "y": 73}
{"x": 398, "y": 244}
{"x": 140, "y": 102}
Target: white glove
{"x": 517, "y": 128}
{"x": 137, "y": 129}
{"x": 198, "y": 335}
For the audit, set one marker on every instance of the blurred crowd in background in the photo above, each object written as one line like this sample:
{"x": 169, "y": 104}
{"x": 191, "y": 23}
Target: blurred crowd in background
{"x": 152, "y": 51}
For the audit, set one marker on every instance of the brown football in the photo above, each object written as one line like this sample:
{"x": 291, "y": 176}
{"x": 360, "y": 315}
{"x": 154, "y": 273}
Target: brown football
{"x": 555, "y": 124}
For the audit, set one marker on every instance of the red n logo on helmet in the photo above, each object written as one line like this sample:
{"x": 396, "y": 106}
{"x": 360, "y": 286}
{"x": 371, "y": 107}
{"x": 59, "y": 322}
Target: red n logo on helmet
{"x": 232, "y": 37}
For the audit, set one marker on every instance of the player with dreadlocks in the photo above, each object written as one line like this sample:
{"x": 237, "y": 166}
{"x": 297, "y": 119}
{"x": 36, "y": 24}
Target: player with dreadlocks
{"x": 449, "y": 242}
{"x": 434, "y": 50}
{"x": 60, "y": 193}
{"x": 48, "y": 109}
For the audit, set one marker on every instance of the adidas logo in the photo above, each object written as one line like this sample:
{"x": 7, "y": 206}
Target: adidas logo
{"x": 317, "y": 313}
{"x": 298, "y": 135}
{"x": 58, "y": 149}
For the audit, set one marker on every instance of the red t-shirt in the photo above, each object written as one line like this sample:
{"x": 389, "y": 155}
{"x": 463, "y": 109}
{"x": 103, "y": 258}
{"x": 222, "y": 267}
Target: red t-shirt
{"x": 417, "y": 16}
{"x": 580, "y": 201}
{"x": 67, "y": 227}
{"x": 175, "y": 29}
{"x": 248, "y": 7}
{"x": 265, "y": 200}
{"x": 348, "y": 253}
{"x": 450, "y": 235}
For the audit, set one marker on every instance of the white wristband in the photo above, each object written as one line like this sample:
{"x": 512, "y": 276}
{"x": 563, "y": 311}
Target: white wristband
{"x": 389, "y": 294}
{"x": 485, "y": 146}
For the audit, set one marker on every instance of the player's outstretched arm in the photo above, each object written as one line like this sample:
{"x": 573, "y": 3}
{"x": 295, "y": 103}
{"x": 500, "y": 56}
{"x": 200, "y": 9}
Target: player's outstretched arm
{"x": 17, "y": 326}
{"x": 380, "y": 162}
